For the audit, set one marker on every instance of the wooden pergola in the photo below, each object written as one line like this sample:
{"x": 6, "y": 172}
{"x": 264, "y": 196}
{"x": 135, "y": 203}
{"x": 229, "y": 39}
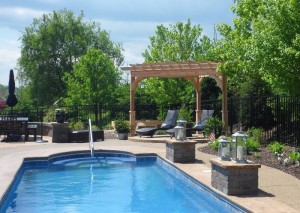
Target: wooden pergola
{"x": 193, "y": 71}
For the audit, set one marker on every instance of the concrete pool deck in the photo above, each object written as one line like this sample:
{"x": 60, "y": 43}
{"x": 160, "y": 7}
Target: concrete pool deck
{"x": 278, "y": 191}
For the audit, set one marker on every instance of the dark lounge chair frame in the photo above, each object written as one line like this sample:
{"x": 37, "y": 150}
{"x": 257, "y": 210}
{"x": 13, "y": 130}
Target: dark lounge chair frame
{"x": 199, "y": 127}
{"x": 169, "y": 123}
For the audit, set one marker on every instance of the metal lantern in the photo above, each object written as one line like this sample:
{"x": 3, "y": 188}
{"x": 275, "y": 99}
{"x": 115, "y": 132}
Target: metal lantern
{"x": 181, "y": 122}
{"x": 239, "y": 149}
{"x": 179, "y": 133}
{"x": 224, "y": 149}
{"x": 180, "y": 130}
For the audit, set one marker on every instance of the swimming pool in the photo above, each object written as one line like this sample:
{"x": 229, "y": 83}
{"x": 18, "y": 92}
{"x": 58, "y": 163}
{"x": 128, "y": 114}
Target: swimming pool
{"x": 111, "y": 182}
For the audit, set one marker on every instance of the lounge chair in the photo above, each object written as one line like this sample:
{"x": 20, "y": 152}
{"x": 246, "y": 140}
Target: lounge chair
{"x": 205, "y": 114}
{"x": 169, "y": 123}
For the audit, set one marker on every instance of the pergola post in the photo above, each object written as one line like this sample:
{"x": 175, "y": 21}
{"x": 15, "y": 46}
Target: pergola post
{"x": 198, "y": 100}
{"x": 224, "y": 103}
{"x": 132, "y": 108}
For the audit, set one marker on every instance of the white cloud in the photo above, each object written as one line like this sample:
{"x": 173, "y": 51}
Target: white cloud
{"x": 8, "y": 60}
{"x": 18, "y": 17}
{"x": 128, "y": 30}
{"x": 20, "y": 12}
{"x": 9, "y": 57}
{"x": 133, "y": 52}
{"x": 134, "y": 36}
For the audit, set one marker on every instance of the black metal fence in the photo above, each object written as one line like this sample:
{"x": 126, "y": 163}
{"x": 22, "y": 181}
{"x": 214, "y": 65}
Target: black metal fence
{"x": 33, "y": 114}
{"x": 278, "y": 116}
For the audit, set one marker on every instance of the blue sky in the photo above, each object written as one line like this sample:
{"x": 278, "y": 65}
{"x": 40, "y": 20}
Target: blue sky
{"x": 129, "y": 22}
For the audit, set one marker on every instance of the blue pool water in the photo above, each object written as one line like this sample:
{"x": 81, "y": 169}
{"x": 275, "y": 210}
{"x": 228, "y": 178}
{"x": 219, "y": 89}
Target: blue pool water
{"x": 109, "y": 183}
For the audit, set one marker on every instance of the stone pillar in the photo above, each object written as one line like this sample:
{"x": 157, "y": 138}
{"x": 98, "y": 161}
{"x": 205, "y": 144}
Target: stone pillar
{"x": 233, "y": 178}
{"x": 180, "y": 152}
{"x": 60, "y": 132}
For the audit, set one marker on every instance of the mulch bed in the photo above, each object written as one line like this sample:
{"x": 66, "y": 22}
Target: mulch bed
{"x": 266, "y": 158}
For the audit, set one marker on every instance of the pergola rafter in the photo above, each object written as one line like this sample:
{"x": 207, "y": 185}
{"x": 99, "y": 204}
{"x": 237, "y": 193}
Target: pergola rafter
{"x": 193, "y": 71}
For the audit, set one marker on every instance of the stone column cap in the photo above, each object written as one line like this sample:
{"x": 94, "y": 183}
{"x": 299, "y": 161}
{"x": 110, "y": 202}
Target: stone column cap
{"x": 234, "y": 165}
{"x": 174, "y": 141}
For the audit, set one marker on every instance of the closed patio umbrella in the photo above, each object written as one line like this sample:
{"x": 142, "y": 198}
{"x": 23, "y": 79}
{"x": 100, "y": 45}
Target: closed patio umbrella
{"x": 11, "y": 98}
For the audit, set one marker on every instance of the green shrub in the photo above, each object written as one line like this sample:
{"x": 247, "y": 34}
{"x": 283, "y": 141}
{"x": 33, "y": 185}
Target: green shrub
{"x": 77, "y": 126}
{"x": 122, "y": 126}
{"x": 256, "y": 133}
{"x": 185, "y": 113}
{"x": 50, "y": 116}
{"x": 255, "y": 137}
{"x": 252, "y": 144}
{"x": 214, "y": 145}
{"x": 213, "y": 123}
{"x": 95, "y": 127}
{"x": 276, "y": 147}
{"x": 295, "y": 156}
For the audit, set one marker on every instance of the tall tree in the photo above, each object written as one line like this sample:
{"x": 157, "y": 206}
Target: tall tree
{"x": 50, "y": 47}
{"x": 179, "y": 42}
{"x": 264, "y": 41}
{"x": 93, "y": 81}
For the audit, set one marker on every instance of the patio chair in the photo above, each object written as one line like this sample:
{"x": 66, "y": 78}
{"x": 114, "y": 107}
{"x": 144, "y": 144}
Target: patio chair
{"x": 205, "y": 114}
{"x": 169, "y": 123}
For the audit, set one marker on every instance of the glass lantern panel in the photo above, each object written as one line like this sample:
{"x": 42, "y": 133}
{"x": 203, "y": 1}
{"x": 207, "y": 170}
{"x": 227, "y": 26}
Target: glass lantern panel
{"x": 224, "y": 149}
{"x": 239, "y": 149}
{"x": 179, "y": 133}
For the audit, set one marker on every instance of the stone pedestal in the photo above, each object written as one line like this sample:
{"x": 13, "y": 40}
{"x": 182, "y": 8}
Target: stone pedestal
{"x": 180, "y": 152}
{"x": 60, "y": 132}
{"x": 233, "y": 178}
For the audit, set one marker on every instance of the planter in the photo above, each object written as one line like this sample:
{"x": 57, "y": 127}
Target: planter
{"x": 60, "y": 116}
{"x": 122, "y": 128}
{"x": 123, "y": 136}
